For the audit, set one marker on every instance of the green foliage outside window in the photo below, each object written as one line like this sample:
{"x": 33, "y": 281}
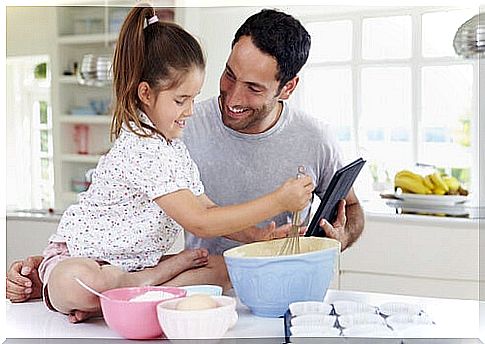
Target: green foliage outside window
{"x": 40, "y": 71}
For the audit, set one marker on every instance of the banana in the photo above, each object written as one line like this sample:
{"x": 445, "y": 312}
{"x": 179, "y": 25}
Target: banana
{"x": 427, "y": 181}
{"x": 452, "y": 183}
{"x": 439, "y": 191}
{"x": 407, "y": 173}
{"x": 411, "y": 182}
{"x": 439, "y": 184}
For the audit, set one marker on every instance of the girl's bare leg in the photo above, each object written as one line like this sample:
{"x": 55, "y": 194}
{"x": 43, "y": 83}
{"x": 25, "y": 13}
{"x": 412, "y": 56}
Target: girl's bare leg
{"x": 68, "y": 297}
{"x": 215, "y": 272}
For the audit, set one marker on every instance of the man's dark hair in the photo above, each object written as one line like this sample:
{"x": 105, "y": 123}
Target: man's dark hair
{"x": 281, "y": 36}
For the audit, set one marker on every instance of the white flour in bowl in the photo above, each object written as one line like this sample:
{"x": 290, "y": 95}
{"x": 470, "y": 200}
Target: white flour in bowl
{"x": 153, "y": 295}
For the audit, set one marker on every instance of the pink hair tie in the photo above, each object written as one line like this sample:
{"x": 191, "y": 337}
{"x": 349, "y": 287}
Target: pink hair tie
{"x": 152, "y": 20}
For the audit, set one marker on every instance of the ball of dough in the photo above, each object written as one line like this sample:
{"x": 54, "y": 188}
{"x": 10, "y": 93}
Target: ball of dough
{"x": 196, "y": 302}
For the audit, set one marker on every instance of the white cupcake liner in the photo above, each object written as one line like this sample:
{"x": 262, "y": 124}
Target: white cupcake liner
{"x": 425, "y": 331}
{"x": 351, "y": 320}
{"x": 399, "y": 322}
{"x": 309, "y": 307}
{"x": 391, "y": 308}
{"x": 314, "y": 319}
{"x": 352, "y": 307}
{"x": 370, "y": 330}
{"x": 313, "y": 331}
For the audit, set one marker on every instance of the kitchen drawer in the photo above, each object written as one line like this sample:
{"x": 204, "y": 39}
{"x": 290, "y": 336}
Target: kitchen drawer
{"x": 405, "y": 285}
{"x": 416, "y": 249}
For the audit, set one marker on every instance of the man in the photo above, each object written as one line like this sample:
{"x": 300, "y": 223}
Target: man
{"x": 247, "y": 140}
{"x": 253, "y": 141}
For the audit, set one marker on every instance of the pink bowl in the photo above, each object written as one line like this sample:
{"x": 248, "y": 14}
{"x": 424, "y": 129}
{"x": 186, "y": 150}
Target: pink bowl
{"x": 134, "y": 320}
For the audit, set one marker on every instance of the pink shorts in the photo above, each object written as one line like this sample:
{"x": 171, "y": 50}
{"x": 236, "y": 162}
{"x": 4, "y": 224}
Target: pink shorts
{"x": 54, "y": 253}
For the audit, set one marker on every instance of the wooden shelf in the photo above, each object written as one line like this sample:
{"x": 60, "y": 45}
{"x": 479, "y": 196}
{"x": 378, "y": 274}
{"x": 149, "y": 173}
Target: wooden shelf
{"x": 97, "y": 38}
{"x": 86, "y": 119}
{"x": 81, "y": 158}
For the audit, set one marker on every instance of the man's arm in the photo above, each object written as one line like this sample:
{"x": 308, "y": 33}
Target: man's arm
{"x": 349, "y": 224}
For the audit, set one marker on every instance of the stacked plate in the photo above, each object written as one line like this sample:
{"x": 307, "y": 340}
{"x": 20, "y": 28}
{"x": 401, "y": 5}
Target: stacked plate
{"x": 469, "y": 40}
{"x": 95, "y": 70}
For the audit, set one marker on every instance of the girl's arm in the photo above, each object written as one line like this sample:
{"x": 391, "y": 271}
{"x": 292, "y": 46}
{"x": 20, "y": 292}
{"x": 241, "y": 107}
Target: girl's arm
{"x": 192, "y": 214}
{"x": 252, "y": 233}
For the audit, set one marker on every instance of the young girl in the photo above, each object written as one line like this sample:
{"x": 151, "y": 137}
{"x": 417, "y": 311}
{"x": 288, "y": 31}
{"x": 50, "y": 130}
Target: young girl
{"x": 147, "y": 188}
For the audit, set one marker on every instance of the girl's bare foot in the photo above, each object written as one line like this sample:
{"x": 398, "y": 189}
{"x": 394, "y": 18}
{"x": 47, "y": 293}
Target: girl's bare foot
{"x": 171, "y": 266}
{"x": 188, "y": 259}
{"x": 79, "y": 316}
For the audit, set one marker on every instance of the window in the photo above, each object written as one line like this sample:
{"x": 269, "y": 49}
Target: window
{"x": 30, "y": 171}
{"x": 395, "y": 92}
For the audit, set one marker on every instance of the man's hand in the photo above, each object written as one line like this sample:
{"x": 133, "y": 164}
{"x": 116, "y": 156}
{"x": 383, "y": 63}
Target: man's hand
{"x": 23, "y": 281}
{"x": 349, "y": 224}
{"x": 337, "y": 229}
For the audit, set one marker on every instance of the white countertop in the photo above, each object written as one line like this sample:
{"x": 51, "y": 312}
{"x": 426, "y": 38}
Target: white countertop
{"x": 454, "y": 318}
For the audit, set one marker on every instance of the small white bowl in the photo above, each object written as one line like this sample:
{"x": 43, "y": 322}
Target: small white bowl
{"x": 351, "y": 307}
{"x": 314, "y": 319}
{"x": 208, "y": 289}
{"x": 391, "y": 308}
{"x": 309, "y": 307}
{"x": 195, "y": 324}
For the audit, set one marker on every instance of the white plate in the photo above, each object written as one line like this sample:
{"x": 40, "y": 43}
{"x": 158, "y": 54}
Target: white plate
{"x": 431, "y": 199}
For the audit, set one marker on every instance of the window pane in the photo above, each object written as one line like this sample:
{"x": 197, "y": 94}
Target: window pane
{"x": 331, "y": 41}
{"x": 43, "y": 112}
{"x": 45, "y": 166}
{"x": 439, "y": 29}
{"x": 447, "y": 110}
{"x": 44, "y": 141}
{"x": 386, "y": 38}
{"x": 385, "y": 124}
{"x": 327, "y": 94}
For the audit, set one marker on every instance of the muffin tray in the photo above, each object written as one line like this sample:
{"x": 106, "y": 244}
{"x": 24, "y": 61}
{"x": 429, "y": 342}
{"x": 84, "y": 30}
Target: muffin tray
{"x": 355, "y": 319}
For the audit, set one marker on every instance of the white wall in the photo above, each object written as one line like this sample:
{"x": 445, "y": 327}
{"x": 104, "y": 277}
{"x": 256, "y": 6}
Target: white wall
{"x": 30, "y": 30}
{"x": 215, "y": 27}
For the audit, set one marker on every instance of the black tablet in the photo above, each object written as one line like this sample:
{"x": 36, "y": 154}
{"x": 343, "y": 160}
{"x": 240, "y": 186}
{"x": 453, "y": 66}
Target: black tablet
{"x": 338, "y": 189}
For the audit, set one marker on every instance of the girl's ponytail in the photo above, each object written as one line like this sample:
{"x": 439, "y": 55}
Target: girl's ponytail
{"x": 128, "y": 65}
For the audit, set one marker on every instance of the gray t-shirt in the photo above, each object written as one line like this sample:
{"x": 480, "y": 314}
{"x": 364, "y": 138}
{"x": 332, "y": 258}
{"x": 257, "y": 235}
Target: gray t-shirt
{"x": 237, "y": 167}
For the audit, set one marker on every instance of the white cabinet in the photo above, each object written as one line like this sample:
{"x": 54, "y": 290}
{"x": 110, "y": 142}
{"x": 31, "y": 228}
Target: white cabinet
{"x": 27, "y": 237}
{"x": 414, "y": 255}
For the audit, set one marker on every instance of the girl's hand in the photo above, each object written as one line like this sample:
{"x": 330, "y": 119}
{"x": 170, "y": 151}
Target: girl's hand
{"x": 295, "y": 194}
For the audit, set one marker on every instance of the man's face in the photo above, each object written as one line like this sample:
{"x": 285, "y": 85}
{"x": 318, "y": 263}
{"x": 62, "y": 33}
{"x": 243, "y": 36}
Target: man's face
{"x": 249, "y": 89}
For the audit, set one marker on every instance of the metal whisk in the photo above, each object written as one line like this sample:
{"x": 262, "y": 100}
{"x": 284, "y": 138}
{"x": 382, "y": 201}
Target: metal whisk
{"x": 292, "y": 242}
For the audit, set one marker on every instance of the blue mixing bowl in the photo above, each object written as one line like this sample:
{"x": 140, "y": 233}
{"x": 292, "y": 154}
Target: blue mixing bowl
{"x": 268, "y": 283}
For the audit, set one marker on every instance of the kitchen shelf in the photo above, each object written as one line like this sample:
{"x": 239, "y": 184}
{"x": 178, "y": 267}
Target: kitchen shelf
{"x": 81, "y": 158}
{"x": 86, "y": 119}
{"x": 68, "y": 79}
{"x": 97, "y": 38}
{"x": 72, "y": 80}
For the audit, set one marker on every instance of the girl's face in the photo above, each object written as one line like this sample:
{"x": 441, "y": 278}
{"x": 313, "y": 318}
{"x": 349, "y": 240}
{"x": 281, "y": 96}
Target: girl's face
{"x": 170, "y": 109}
